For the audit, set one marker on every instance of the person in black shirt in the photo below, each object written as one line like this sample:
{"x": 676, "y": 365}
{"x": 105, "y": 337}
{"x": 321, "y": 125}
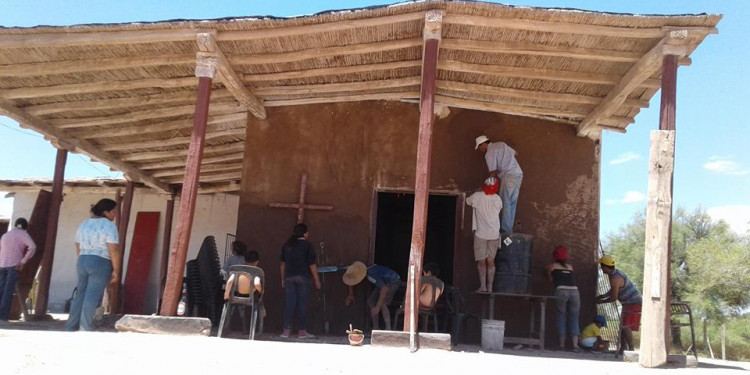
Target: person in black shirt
{"x": 568, "y": 301}
{"x": 298, "y": 270}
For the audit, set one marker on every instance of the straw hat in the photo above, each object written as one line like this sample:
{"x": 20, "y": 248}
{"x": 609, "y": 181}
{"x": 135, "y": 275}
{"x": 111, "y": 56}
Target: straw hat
{"x": 355, "y": 273}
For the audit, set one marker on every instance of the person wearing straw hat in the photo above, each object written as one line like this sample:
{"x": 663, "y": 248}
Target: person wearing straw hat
{"x": 386, "y": 282}
{"x": 502, "y": 164}
{"x": 623, "y": 290}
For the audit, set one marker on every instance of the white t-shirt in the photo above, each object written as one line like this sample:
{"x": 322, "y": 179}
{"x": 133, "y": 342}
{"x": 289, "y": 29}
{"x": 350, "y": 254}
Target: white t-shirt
{"x": 486, "y": 218}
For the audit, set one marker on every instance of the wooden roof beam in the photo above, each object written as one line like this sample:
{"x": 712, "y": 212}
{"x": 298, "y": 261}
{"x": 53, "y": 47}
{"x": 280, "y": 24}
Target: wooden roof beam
{"x": 71, "y": 39}
{"x": 338, "y": 87}
{"x": 231, "y": 186}
{"x": 180, "y": 161}
{"x": 336, "y": 71}
{"x": 158, "y": 155}
{"x": 396, "y": 96}
{"x": 93, "y": 87}
{"x": 569, "y": 28}
{"x": 85, "y": 147}
{"x": 91, "y": 65}
{"x": 672, "y": 44}
{"x": 148, "y": 114}
{"x": 204, "y": 168}
{"x": 208, "y": 177}
{"x": 124, "y": 131}
{"x": 537, "y": 73}
{"x": 171, "y": 141}
{"x": 531, "y": 95}
{"x": 185, "y": 97}
{"x": 208, "y": 47}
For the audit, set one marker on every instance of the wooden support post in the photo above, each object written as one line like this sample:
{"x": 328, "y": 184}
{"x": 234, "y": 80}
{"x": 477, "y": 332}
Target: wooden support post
{"x": 166, "y": 240}
{"x": 432, "y": 35}
{"x": 205, "y": 70}
{"x": 656, "y": 266}
{"x": 40, "y": 307}
{"x": 122, "y": 233}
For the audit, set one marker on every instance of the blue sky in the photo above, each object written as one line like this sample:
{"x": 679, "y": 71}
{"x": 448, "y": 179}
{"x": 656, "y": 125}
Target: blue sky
{"x": 712, "y": 169}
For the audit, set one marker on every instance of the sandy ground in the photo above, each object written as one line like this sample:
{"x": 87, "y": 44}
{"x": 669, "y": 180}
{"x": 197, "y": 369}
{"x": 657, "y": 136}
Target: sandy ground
{"x": 34, "y": 348}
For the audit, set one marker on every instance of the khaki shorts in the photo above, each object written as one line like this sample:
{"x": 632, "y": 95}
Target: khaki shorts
{"x": 484, "y": 249}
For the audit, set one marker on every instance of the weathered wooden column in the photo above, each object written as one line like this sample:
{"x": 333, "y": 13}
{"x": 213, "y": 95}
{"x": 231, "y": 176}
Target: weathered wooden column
{"x": 122, "y": 232}
{"x": 432, "y": 31}
{"x": 166, "y": 240}
{"x": 205, "y": 70}
{"x": 655, "y": 318}
{"x": 45, "y": 273}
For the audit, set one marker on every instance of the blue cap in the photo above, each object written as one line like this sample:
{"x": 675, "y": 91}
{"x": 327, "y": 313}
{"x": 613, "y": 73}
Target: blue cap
{"x": 601, "y": 320}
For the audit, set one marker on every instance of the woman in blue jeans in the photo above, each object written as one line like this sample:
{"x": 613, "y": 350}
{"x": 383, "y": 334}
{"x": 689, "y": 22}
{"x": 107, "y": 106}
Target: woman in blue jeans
{"x": 97, "y": 247}
{"x": 560, "y": 273}
{"x": 298, "y": 271}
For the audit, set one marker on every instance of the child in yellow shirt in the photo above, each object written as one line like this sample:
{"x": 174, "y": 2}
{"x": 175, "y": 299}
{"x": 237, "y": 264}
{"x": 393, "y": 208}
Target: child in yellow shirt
{"x": 591, "y": 336}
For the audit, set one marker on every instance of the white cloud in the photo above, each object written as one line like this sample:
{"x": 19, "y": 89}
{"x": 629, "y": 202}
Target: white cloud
{"x": 610, "y": 202}
{"x": 724, "y": 165}
{"x": 624, "y": 158}
{"x": 737, "y": 216}
{"x": 633, "y": 196}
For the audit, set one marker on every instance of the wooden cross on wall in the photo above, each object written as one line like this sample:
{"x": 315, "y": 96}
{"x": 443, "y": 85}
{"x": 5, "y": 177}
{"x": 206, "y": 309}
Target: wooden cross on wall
{"x": 302, "y": 206}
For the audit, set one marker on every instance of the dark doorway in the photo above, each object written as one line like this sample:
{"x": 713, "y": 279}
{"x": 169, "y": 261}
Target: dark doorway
{"x": 393, "y": 232}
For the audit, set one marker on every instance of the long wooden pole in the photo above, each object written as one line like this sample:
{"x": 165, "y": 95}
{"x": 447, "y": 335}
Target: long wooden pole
{"x": 205, "y": 70}
{"x": 656, "y": 267}
{"x": 166, "y": 240}
{"x": 122, "y": 232}
{"x": 40, "y": 307}
{"x": 432, "y": 32}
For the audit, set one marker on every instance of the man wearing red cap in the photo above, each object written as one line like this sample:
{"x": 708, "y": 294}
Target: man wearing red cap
{"x": 560, "y": 274}
{"x": 486, "y": 226}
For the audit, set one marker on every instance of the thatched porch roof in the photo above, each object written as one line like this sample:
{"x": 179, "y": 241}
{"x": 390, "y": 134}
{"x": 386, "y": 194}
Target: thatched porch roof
{"x": 124, "y": 93}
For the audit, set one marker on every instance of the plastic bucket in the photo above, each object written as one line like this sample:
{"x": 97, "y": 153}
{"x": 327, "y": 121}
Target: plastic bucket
{"x": 493, "y": 333}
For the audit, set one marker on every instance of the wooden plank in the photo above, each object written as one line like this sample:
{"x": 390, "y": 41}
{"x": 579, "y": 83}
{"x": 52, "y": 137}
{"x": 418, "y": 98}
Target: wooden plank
{"x": 53, "y": 218}
{"x": 60, "y": 40}
{"x": 160, "y": 127}
{"x": 397, "y": 339}
{"x": 135, "y": 116}
{"x": 229, "y": 77}
{"x": 115, "y": 298}
{"x": 172, "y": 141}
{"x": 565, "y": 27}
{"x": 536, "y": 49}
{"x": 206, "y": 71}
{"x": 119, "y": 103}
{"x": 641, "y": 71}
{"x": 209, "y": 177}
{"x": 92, "y": 87}
{"x": 536, "y": 73}
{"x": 91, "y": 65}
{"x": 231, "y": 186}
{"x": 166, "y": 240}
{"x": 335, "y": 71}
{"x": 338, "y": 87}
{"x": 432, "y": 35}
{"x": 180, "y": 161}
{"x": 205, "y": 167}
{"x": 336, "y": 26}
{"x": 139, "y": 262}
{"x": 83, "y": 146}
{"x": 345, "y": 98}
{"x": 158, "y": 155}
{"x": 325, "y": 52}
{"x": 531, "y": 94}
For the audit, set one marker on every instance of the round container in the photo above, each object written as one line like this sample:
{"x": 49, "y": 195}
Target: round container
{"x": 356, "y": 339}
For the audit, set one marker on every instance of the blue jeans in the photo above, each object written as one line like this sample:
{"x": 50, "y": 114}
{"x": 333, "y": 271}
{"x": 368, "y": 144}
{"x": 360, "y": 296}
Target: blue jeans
{"x": 510, "y": 185}
{"x": 8, "y": 278}
{"x": 297, "y": 293}
{"x": 567, "y": 309}
{"x": 94, "y": 273}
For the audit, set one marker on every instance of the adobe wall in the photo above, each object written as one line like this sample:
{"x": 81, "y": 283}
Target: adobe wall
{"x": 349, "y": 150}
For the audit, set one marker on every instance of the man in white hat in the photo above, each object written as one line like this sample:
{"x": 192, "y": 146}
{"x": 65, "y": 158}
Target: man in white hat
{"x": 386, "y": 282}
{"x": 502, "y": 164}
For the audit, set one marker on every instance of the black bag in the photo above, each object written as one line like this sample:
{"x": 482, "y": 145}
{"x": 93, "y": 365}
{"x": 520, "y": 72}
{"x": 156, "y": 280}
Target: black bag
{"x": 69, "y": 301}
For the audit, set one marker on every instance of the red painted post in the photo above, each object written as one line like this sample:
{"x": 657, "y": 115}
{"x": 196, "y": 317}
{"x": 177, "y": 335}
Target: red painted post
{"x": 205, "y": 70}
{"x": 40, "y": 307}
{"x": 432, "y": 31}
{"x": 122, "y": 233}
